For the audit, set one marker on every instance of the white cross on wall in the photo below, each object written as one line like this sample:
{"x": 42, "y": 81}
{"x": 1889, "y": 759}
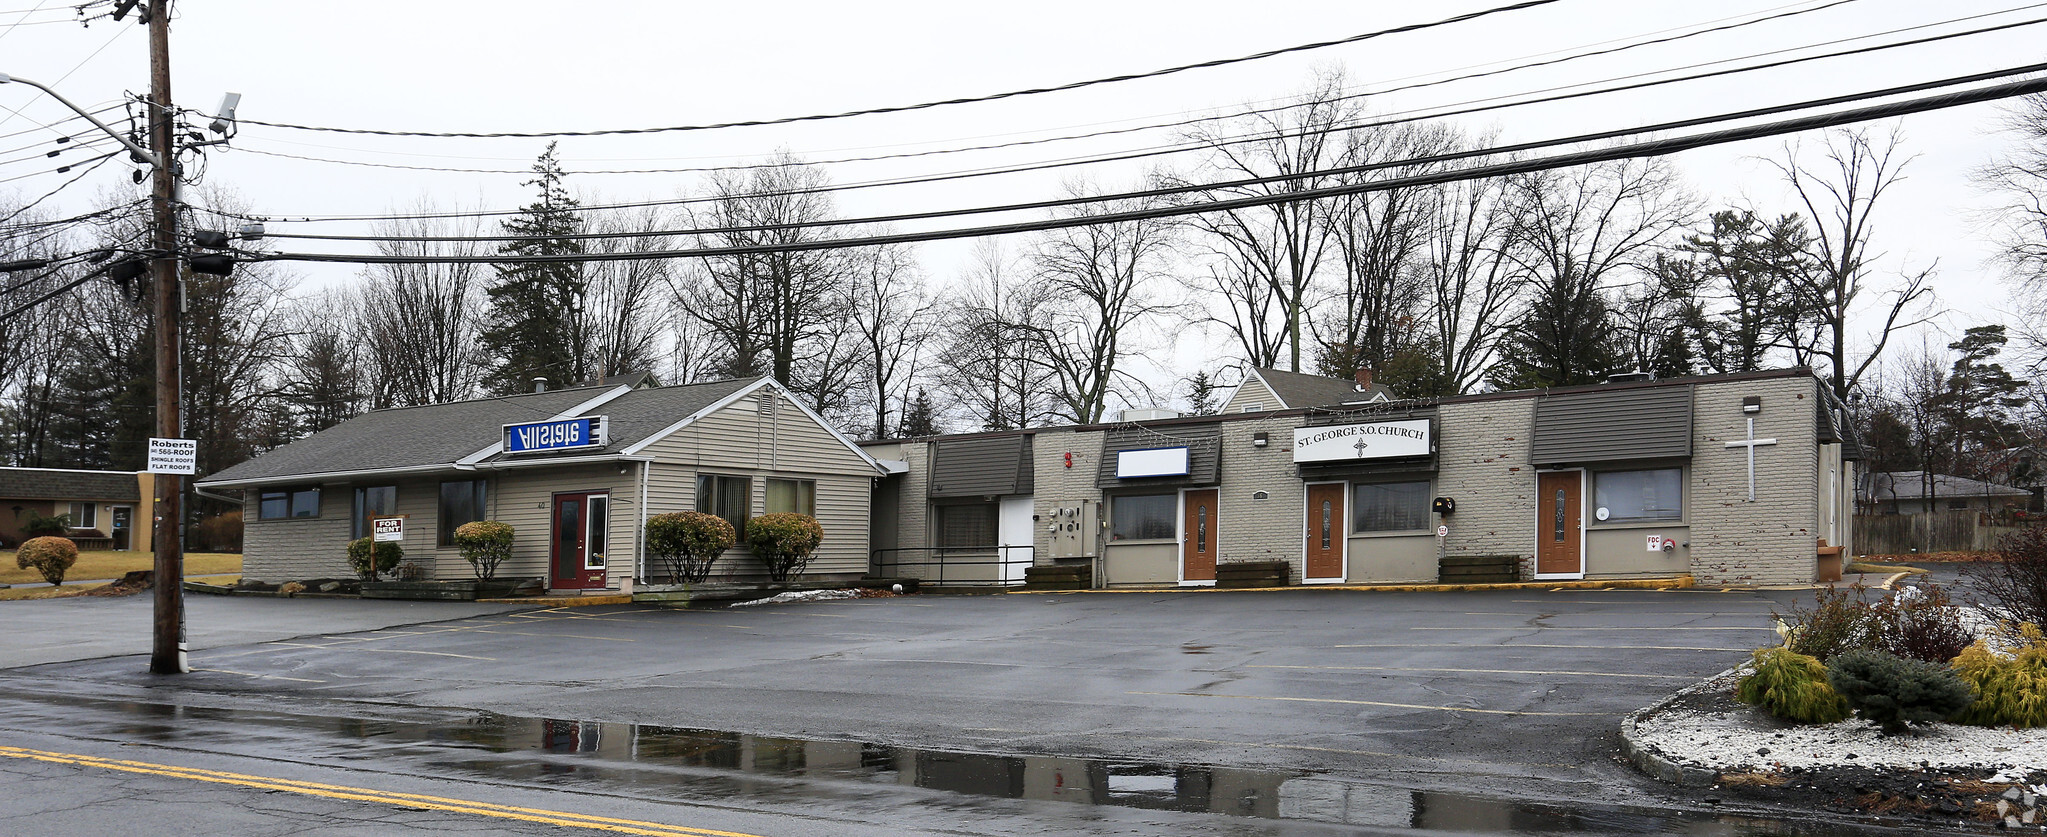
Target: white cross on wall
{"x": 1751, "y": 445}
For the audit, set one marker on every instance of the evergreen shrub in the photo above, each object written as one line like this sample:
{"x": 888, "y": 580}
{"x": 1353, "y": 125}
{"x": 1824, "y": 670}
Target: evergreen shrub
{"x": 2011, "y": 689}
{"x": 687, "y": 543}
{"x": 784, "y": 542}
{"x": 1792, "y": 686}
{"x": 49, "y": 556}
{"x": 370, "y": 557}
{"x": 484, "y": 544}
{"x": 38, "y": 525}
{"x": 1891, "y": 691}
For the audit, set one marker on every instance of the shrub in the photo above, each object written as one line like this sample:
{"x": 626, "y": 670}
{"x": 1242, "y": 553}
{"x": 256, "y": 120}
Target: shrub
{"x": 484, "y": 544}
{"x": 1919, "y": 623}
{"x": 49, "y": 556}
{"x": 1792, "y": 686}
{"x": 1891, "y": 691}
{"x": 2011, "y": 689}
{"x": 1835, "y": 624}
{"x": 221, "y": 532}
{"x": 2014, "y": 586}
{"x": 687, "y": 543}
{"x": 38, "y": 525}
{"x": 784, "y": 541}
{"x": 370, "y": 557}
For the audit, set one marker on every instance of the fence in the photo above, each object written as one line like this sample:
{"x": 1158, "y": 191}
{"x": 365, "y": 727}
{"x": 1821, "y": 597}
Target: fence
{"x": 993, "y": 566}
{"x": 1939, "y": 531}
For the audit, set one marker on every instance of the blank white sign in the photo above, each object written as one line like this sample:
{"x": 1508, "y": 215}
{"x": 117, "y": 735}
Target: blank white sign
{"x": 1151, "y": 462}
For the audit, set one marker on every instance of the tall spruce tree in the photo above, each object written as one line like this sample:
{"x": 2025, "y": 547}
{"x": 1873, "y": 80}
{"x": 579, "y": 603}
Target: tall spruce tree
{"x": 535, "y": 326}
{"x": 1565, "y": 338}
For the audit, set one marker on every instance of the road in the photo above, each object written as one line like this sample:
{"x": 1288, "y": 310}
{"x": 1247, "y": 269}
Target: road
{"x": 1141, "y": 713}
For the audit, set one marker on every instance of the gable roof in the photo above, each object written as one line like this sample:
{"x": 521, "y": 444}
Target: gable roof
{"x": 467, "y": 434}
{"x": 1295, "y": 389}
{"x": 66, "y": 484}
{"x": 410, "y": 438}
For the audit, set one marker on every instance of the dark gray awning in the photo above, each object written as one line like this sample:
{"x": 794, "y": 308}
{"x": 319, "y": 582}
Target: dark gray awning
{"x": 1610, "y": 425}
{"x": 985, "y": 466}
{"x": 1204, "y": 455}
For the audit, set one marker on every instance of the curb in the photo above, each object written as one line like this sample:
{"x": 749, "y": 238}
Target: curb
{"x": 1669, "y": 583}
{"x": 1645, "y": 757}
{"x": 563, "y": 601}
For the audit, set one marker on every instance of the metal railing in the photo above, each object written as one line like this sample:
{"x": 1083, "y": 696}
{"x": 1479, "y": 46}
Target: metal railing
{"x": 993, "y": 566}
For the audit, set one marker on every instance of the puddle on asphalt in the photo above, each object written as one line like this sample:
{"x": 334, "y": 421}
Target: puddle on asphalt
{"x": 697, "y": 761}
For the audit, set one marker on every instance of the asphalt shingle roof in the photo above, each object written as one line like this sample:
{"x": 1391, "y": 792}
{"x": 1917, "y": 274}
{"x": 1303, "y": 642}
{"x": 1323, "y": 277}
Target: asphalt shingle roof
{"x": 54, "y": 484}
{"x": 636, "y": 415}
{"x": 1911, "y": 485}
{"x": 407, "y": 437}
{"x": 1301, "y": 390}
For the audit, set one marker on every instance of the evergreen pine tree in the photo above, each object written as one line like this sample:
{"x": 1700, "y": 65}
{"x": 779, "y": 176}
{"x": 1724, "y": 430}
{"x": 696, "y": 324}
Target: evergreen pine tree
{"x": 535, "y": 327}
{"x": 1565, "y": 339}
{"x": 921, "y": 418}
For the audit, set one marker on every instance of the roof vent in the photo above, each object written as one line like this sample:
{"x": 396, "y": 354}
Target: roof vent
{"x": 540, "y": 384}
{"x": 1630, "y": 377}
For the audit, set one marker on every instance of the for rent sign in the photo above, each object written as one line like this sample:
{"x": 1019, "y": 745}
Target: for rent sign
{"x": 557, "y": 435}
{"x": 1375, "y": 440}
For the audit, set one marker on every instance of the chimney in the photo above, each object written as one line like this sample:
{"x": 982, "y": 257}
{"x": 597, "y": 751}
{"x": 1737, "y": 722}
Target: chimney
{"x": 540, "y": 384}
{"x": 1364, "y": 378}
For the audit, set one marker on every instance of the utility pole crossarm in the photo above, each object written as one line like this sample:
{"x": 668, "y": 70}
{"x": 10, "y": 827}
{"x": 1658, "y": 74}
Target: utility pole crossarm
{"x": 137, "y": 150}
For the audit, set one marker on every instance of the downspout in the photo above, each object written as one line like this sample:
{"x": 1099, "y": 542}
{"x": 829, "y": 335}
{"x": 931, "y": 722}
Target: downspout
{"x": 640, "y": 534}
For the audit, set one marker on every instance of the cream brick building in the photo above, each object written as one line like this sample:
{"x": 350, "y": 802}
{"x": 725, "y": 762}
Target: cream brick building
{"x": 1734, "y": 479}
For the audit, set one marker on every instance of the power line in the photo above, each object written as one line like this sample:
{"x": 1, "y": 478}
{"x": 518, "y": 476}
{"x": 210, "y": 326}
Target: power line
{"x": 1076, "y": 85}
{"x": 1098, "y": 134}
{"x": 46, "y": 196}
{"x": 1650, "y": 148}
{"x": 1478, "y": 106}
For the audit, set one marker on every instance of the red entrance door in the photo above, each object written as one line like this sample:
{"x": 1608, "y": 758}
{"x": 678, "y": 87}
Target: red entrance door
{"x": 580, "y": 522}
{"x": 1326, "y": 526}
{"x": 1560, "y": 511}
{"x": 1197, "y": 544}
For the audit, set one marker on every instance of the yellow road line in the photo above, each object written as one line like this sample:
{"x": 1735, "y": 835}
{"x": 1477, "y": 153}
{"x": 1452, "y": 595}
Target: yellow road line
{"x": 1546, "y": 628}
{"x": 344, "y": 792}
{"x": 1376, "y": 703}
{"x": 1488, "y": 671}
{"x": 1537, "y": 645}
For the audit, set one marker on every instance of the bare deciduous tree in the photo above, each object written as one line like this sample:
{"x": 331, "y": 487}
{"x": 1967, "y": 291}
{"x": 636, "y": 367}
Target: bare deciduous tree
{"x": 1099, "y": 281}
{"x": 419, "y": 321}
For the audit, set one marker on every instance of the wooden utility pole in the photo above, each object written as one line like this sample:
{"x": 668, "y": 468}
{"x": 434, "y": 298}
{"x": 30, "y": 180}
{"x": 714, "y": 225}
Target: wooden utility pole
{"x": 167, "y": 652}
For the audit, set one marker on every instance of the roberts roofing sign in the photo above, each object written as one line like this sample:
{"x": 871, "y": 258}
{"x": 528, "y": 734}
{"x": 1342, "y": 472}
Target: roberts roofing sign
{"x": 1377, "y": 440}
{"x": 558, "y": 435}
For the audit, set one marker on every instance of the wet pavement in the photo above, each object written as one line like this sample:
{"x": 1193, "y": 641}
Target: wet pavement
{"x": 1281, "y": 713}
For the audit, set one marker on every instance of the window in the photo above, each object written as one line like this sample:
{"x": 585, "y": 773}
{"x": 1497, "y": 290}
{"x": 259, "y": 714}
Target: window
{"x": 1627, "y": 496}
{"x": 1389, "y": 506}
{"x": 1139, "y": 517}
{"x": 462, "y": 501}
{"x": 799, "y": 496}
{"x": 280, "y": 503}
{"x": 372, "y": 501}
{"x": 968, "y": 526}
{"x": 1253, "y": 408}
{"x": 84, "y": 515}
{"x": 727, "y": 497}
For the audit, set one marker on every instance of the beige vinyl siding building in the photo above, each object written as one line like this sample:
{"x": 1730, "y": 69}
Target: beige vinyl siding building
{"x": 659, "y": 445}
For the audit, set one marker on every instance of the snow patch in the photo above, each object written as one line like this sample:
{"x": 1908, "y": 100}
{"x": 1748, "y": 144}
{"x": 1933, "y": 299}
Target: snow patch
{"x": 801, "y": 596}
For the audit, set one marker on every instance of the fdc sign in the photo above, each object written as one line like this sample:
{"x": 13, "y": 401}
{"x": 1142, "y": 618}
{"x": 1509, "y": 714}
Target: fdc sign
{"x": 561, "y": 434}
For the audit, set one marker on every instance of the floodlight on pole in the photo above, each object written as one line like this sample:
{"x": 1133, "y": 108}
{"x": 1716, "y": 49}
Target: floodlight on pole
{"x": 133, "y": 148}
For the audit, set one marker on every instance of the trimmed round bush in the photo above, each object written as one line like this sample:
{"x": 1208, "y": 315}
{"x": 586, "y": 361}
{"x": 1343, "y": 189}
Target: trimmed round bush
{"x": 784, "y": 542}
{"x": 687, "y": 543}
{"x": 370, "y": 557}
{"x": 1891, "y": 691}
{"x": 484, "y": 544}
{"x": 1792, "y": 686}
{"x": 49, "y": 556}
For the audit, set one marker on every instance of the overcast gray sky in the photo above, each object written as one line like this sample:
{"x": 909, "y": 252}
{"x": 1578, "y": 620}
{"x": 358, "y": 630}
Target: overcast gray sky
{"x": 526, "y": 66}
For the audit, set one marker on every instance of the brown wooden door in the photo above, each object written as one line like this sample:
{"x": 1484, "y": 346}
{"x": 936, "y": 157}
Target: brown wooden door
{"x": 581, "y": 523}
{"x": 1325, "y": 531}
{"x": 1560, "y": 516}
{"x": 1197, "y": 543}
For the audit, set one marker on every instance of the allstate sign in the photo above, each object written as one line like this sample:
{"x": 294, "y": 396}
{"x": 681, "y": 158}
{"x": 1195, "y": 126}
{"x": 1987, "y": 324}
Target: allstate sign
{"x": 560, "y": 434}
{"x": 1376, "y": 440}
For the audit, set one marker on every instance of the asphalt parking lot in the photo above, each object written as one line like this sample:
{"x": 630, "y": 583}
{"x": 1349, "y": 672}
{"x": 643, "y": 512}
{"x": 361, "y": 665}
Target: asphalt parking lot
{"x": 1511, "y": 692}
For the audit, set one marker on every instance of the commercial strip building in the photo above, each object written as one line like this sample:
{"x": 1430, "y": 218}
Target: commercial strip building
{"x": 1742, "y": 479}
{"x": 576, "y": 472}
